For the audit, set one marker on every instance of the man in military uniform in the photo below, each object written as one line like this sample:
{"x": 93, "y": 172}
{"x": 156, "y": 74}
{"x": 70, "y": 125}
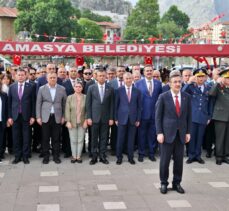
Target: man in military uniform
{"x": 220, "y": 91}
{"x": 201, "y": 113}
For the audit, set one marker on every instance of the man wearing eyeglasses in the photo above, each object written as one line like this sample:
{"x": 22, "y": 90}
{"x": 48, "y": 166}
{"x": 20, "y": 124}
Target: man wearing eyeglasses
{"x": 50, "y": 68}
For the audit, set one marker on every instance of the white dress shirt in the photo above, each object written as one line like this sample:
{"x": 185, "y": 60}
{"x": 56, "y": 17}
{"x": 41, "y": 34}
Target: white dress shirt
{"x": 101, "y": 89}
{"x": 53, "y": 94}
{"x": 174, "y": 98}
{"x": 147, "y": 84}
{"x": 126, "y": 87}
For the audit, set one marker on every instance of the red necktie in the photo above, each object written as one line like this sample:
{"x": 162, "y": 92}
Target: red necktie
{"x": 177, "y": 106}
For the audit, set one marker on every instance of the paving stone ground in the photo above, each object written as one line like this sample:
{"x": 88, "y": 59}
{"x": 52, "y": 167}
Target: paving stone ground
{"x": 82, "y": 187}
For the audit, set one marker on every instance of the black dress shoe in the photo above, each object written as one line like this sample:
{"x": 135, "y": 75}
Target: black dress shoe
{"x": 178, "y": 188}
{"x": 152, "y": 158}
{"x": 200, "y": 160}
{"x": 45, "y": 161}
{"x": 41, "y": 155}
{"x": 163, "y": 189}
{"x": 218, "y": 162}
{"x": 131, "y": 161}
{"x": 57, "y": 160}
{"x": 140, "y": 159}
{"x": 26, "y": 160}
{"x": 104, "y": 161}
{"x": 73, "y": 161}
{"x": 79, "y": 160}
{"x": 119, "y": 162}
{"x": 226, "y": 160}
{"x": 189, "y": 161}
{"x": 93, "y": 161}
{"x": 16, "y": 160}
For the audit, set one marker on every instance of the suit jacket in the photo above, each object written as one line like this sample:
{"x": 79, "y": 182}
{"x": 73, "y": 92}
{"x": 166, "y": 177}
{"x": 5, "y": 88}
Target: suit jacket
{"x": 114, "y": 83}
{"x": 149, "y": 102}
{"x": 97, "y": 110}
{"x": 70, "y": 109}
{"x": 167, "y": 121}
{"x": 87, "y": 85}
{"x": 4, "y": 99}
{"x": 41, "y": 81}
{"x": 221, "y": 94}
{"x": 201, "y": 103}
{"x": 124, "y": 109}
{"x": 27, "y": 102}
{"x": 68, "y": 87}
{"x": 44, "y": 103}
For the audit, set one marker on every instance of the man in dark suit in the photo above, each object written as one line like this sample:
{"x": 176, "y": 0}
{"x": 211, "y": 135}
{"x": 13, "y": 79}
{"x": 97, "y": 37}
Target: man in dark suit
{"x": 115, "y": 84}
{"x": 50, "y": 106}
{"x": 127, "y": 117}
{"x": 173, "y": 125}
{"x": 3, "y": 119}
{"x": 150, "y": 89}
{"x": 220, "y": 91}
{"x": 100, "y": 115}
{"x": 21, "y": 108}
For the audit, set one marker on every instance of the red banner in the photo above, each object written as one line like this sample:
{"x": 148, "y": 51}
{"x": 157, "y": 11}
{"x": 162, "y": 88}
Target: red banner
{"x": 86, "y": 49}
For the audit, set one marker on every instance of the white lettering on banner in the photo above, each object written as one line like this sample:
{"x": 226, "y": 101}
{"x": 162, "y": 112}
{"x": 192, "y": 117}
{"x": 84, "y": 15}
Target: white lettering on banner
{"x": 36, "y": 48}
{"x": 99, "y": 49}
{"x": 109, "y": 50}
{"x": 48, "y": 48}
{"x": 132, "y": 48}
{"x": 23, "y": 48}
{"x": 60, "y": 47}
{"x": 87, "y": 49}
{"x": 148, "y": 48}
{"x": 70, "y": 48}
{"x": 8, "y": 47}
{"x": 160, "y": 49}
{"x": 121, "y": 49}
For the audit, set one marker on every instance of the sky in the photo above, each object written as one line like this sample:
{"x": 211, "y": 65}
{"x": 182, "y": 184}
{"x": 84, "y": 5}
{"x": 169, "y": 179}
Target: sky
{"x": 133, "y": 1}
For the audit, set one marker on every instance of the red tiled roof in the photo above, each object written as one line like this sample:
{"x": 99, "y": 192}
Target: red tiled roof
{"x": 109, "y": 24}
{"x": 8, "y": 12}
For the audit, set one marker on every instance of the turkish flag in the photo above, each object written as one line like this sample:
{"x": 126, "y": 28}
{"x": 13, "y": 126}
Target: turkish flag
{"x": 79, "y": 61}
{"x": 148, "y": 60}
{"x": 104, "y": 37}
{"x": 17, "y": 59}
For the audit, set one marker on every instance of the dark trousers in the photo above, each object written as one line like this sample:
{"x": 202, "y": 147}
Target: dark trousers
{"x": 126, "y": 135}
{"x": 21, "y": 137}
{"x": 222, "y": 139}
{"x": 2, "y": 150}
{"x": 8, "y": 139}
{"x": 209, "y": 137}
{"x": 195, "y": 144}
{"x": 113, "y": 137}
{"x": 99, "y": 140}
{"x": 36, "y": 135}
{"x": 147, "y": 136}
{"x": 66, "y": 147}
{"x": 51, "y": 130}
{"x": 175, "y": 149}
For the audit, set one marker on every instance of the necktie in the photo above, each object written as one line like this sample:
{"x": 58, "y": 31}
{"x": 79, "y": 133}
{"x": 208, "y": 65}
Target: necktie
{"x": 150, "y": 88}
{"x": 101, "y": 93}
{"x": 121, "y": 84}
{"x": 20, "y": 97}
{"x": 177, "y": 106}
{"x": 128, "y": 94}
{"x": 200, "y": 88}
{"x": 73, "y": 83}
{"x": 20, "y": 92}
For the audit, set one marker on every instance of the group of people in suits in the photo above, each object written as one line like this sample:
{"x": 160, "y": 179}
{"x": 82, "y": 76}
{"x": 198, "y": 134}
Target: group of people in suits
{"x": 119, "y": 109}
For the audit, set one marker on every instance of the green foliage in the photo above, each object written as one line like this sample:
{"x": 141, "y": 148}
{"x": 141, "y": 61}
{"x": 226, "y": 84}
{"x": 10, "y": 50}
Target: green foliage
{"x": 169, "y": 30}
{"x": 90, "y": 30}
{"x": 53, "y": 17}
{"x": 143, "y": 20}
{"x": 95, "y": 17}
{"x": 178, "y": 17}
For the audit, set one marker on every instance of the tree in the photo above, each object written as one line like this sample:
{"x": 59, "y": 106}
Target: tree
{"x": 90, "y": 30}
{"x": 143, "y": 20}
{"x": 51, "y": 17}
{"x": 95, "y": 17}
{"x": 169, "y": 30}
{"x": 178, "y": 17}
